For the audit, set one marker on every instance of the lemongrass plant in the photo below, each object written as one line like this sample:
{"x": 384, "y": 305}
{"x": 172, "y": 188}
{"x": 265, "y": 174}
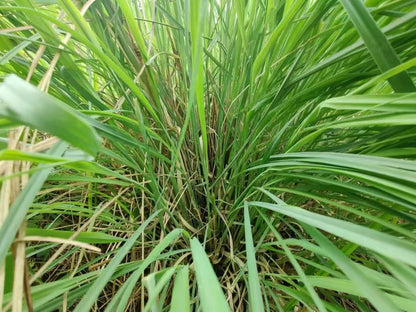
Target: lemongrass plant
{"x": 207, "y": 155}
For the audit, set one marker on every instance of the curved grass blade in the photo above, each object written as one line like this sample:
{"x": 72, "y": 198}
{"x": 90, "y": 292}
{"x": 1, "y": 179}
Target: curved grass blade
{"x": 21, "y": 102}
{"x": 404, "y": 273}
{"x": 367, "y": 287}
{"x": 348, "y": 286}
{"x": 378, "y": 45}
{"x": 387, "y": 245}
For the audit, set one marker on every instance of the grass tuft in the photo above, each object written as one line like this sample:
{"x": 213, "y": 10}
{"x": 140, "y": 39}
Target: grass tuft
{"x": 207, "y": 155}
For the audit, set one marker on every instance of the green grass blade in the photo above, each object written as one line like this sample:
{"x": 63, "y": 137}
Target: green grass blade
{"x": 379, "y": 242}
{"x": 211, "y": 296}
{"x": 85, "y": 237}
{"x": 134, "y": 28}
{"x": 380, "y": 48}
{"x": 24, "y": 103}
{"x": 368, "y": 289}
{"x": 41, "y": 157}
{"x": 17, "y": 49}
{"x": 180, "y": 294}
{"x": 197, "y": 19}
{"x": 404, "y": 273}
{"x": 254, "y": 290}
{"x": 79, "y": 21}
{"x": 391, "y": 103}
{"x": 350, "y": 287}
{"x": 154, "y": 289}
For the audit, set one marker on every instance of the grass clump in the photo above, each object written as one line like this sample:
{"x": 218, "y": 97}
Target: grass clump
{"x": 207, "y": 155}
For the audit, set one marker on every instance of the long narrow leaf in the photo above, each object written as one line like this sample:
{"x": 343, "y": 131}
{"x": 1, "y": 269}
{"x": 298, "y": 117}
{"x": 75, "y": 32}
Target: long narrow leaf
{"x": 24, "y": 103}
{"x": 377, "y": 43}
{"x": 211, "y": 296}
{"x": 368, "y": 289}
{"x": 254, "y": 290}
{"x": 387, "y": 245}
{"x": 180, "y": 294}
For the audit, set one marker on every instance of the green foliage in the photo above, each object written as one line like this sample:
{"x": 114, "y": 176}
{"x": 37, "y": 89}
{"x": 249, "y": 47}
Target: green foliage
{"x": 222, "y": 154}
{"x": 31, "y": 111}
